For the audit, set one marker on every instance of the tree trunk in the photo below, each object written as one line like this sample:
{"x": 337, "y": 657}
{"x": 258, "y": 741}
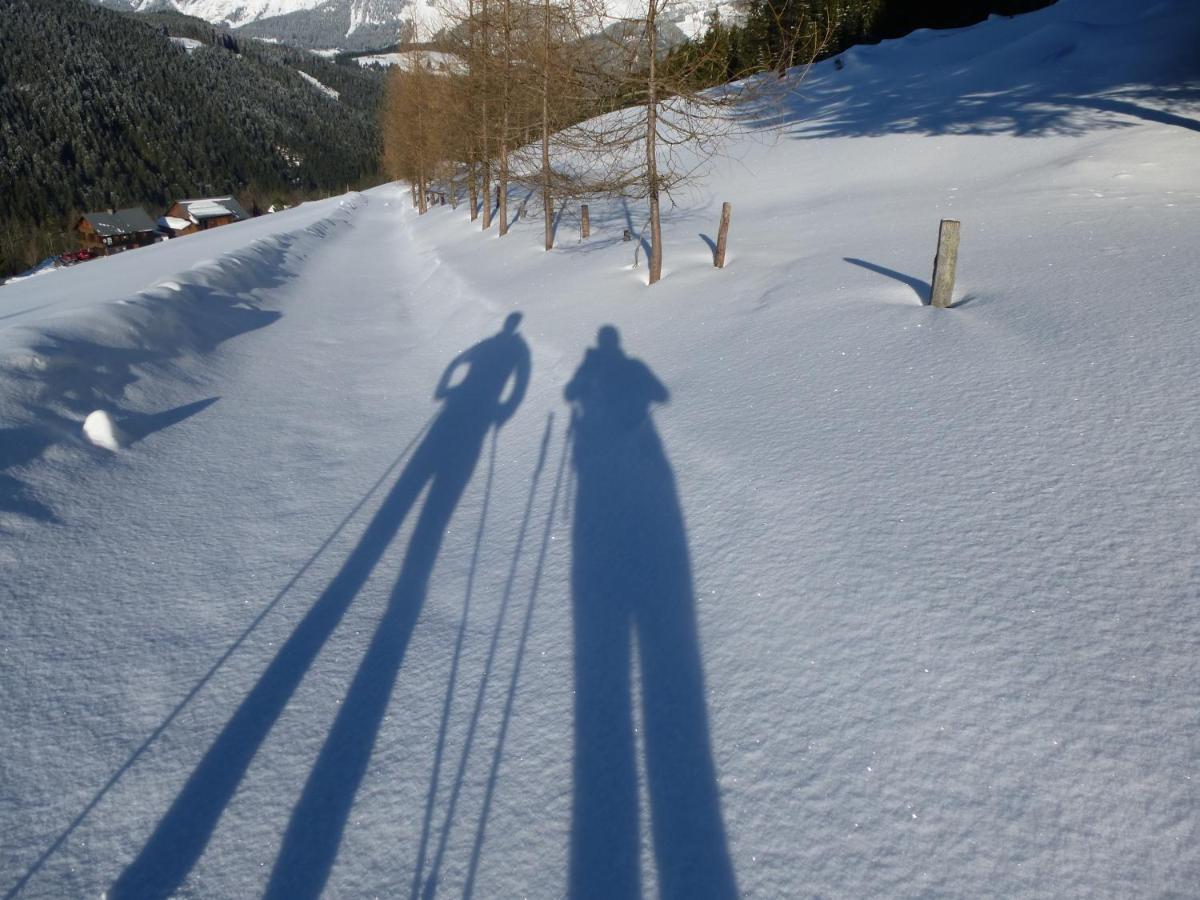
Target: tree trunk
{"x": 486, "y": 179}
{"x": 651, "y": 153}
{"x": 547, "y": 201}
{"x": 486, "y": 174}
{"x": 473, "y": 188}
{"x": 502, "y": 202}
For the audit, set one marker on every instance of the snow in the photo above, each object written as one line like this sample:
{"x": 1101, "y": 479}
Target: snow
{"x": 101, "y": 430}
{"x": 914, "y": 591}
{"x": 173, "y": 223}
{"x": 191, "y": 45}
{"x": 327, "y": 91}
{"x": 238, "y": 12}
{"x": 433, "y": 60}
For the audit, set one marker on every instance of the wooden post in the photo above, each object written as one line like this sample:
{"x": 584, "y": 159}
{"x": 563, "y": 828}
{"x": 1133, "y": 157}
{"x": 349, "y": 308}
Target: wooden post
{"x": 941, "y": 293}
{"x": 722, "y": 236}
{"x": 585, "y": 224}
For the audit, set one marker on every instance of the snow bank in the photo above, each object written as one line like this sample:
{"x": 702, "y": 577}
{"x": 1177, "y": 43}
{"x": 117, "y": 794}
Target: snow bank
{"x": 76, "y": 339}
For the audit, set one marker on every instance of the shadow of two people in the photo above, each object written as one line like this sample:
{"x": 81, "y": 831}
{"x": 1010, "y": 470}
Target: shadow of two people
{"x": 631, "y": 584}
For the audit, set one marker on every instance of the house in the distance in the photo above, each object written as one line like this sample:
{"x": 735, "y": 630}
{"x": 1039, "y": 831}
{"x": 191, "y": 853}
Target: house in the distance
{"x": 116, "y": 230}
{"x": 188, "y": 216}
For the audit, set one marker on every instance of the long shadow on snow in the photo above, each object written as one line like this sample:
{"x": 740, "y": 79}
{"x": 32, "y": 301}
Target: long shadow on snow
{"x": 515, "y": 677}
{"x": 195, "y": 690}
{"x": 922, "y": 288}
{"x": 420, "y": 876}
{"x": 139, "y": 426}
{"x": 631, "y": 583}
{"x": 444, "y": 461}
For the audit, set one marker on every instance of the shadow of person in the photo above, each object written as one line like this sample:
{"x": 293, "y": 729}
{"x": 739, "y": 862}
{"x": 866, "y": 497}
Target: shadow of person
{"x": 444, "y": 461}
{"x": 631, "y": 584}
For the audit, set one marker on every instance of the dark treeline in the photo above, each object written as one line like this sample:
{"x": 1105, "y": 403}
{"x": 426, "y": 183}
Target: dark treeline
{"x": 100, "y": 109}
{"x": 777, "y": 34}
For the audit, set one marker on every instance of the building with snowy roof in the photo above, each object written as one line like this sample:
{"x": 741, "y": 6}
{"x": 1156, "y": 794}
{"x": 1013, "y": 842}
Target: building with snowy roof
{"x": 116, "y": 230}
{"x": 188, "y": 216}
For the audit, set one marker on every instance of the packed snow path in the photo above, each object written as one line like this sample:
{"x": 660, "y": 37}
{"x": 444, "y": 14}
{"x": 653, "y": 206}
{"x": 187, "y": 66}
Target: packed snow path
{"x": 317, "y": 416}
{"x": 824, "y": 592}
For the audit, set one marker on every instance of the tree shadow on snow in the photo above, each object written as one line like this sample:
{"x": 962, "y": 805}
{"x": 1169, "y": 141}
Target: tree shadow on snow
{"x": 632, "y": 594}
{"x": 442, "y": 463}
{"x": 1046, "y": 73}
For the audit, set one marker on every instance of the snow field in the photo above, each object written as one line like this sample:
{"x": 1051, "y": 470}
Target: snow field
{"x": 943, "y": 560}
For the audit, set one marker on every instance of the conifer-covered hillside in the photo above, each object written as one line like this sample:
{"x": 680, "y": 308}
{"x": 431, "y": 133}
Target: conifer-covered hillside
{"x": 100, "y": 109}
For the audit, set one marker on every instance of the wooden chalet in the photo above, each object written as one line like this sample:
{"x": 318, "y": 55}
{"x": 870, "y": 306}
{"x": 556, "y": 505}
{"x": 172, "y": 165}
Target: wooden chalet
{"x": 116, "y": 230}
{"x": 189, "y": 216}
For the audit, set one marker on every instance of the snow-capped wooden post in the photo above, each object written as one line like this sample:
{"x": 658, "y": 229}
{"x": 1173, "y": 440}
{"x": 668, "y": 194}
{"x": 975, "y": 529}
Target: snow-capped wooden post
{"x": 585, "y": 224}
{"x": 722, "y": 236}
{"x": 941, "y": 293}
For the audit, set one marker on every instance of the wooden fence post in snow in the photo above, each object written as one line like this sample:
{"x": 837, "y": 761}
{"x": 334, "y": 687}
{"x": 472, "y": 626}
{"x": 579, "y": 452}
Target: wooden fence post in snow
{"x": 585, "y": 224}
{"x": 941, "y": 293}
{"x": 722, "y": 236}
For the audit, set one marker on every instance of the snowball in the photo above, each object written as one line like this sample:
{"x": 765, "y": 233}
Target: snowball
{"x": 101, "y": 430}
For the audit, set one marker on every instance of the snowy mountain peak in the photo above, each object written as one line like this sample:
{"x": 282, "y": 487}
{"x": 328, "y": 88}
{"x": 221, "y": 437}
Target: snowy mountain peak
{"x": 368, "y": 24}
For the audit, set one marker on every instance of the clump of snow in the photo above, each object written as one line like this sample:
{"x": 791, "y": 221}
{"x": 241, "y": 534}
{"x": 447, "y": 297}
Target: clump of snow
{"x": 101, "y": 430}
{"x": 431, "y": 60}
{"x": 191, "y": 45}
{"x": 327, "y": 91}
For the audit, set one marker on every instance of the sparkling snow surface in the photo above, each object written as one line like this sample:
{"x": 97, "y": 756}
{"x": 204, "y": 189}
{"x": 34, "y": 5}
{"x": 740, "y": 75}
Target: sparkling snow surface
{"x": 886, "y": 601}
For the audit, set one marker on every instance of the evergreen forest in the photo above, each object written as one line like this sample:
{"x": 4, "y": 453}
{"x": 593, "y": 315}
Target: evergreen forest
{"x": 102, "y": 109}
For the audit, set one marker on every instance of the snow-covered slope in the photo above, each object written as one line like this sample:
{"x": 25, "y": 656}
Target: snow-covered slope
{"x": 884, "y": 601}
{"x": 366, "y": 24}
{"x": 233, "y": 12}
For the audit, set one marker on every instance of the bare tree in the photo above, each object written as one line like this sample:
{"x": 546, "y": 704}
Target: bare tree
{"x": 667, "y": 117}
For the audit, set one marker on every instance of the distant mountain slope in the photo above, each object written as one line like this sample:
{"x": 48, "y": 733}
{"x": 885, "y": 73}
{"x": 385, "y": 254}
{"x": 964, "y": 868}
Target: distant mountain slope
{"x": 370, "y": 24}
{"x": 352, "y": 24}
{"x": 101, "y": 109}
